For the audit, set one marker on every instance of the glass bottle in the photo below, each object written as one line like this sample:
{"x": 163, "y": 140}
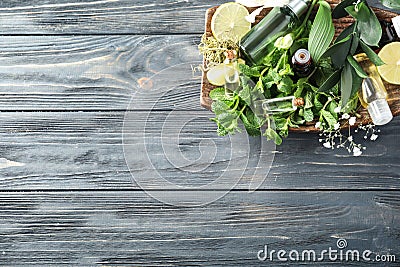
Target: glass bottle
{"x": 373, "y": 94}
{"x": 231, "y": 74}
{"x": 259, "y": 41}
{"x": 302, "y": 63}
{"x": 277, "y": 105}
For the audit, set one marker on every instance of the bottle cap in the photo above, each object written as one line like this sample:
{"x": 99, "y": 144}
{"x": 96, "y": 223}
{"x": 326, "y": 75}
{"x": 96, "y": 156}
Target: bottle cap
{"x": 380, "y": 112}
{"x": 298, "y": 7}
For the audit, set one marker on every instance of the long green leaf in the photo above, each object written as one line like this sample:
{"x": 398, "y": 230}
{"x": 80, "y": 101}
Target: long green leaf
{"x": 371, "y": 54}
{"x": 395, "y": 4}
{"x": 339, "y": 51}
{"x": 367, "y": 23}
{"x": 346, "y": 83}
{"x": 358, "y": 69}
{"x": 322, "y": 31}
{"x": 339, "y": 11}
{"x": 330, "y": 82}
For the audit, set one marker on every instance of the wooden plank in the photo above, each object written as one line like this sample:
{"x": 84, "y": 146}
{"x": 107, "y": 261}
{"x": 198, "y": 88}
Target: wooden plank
{"x": 128, "y": 228}
{"x": 98, "y": 72}
{"x": 103, "y": 16}
{"x": 84, "y": 150}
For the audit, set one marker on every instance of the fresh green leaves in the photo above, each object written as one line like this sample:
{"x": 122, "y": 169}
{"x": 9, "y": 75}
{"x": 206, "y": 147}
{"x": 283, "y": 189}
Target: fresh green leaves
{"x": 394, "y": 4}
{"x": 367, "y": 23}
{"x": 322, "y": 31}
{"x": 371, "y": 54}
{"x": 346, "y": 82}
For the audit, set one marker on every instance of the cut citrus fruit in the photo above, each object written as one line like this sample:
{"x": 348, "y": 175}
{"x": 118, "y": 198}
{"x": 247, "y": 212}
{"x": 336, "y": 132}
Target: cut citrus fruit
{"x": 229, "y": 22}
{"x": 216, "y": 75}
{"x": 390, "y": 54}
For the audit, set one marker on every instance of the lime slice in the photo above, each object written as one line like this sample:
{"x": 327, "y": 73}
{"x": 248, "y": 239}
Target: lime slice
{"x": 216, "y": 75}
{"x": 390, "y": 54}
{"x": 229, "y": 22}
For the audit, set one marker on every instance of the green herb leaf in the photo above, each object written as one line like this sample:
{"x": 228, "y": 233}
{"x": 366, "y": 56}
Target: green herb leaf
{"x": 219, "y": 107}
{"x": 358, "y": 69}
{"x": 272, "y": 135}
{"x": 367, "y": 23}
{"x": 339, "y": 11}
{"x": 327, "y": 116}
{"x": 308, "y": 114}
{"x": 371, "y": 54}
{"x": 229, "y": 121}
{"x": 346, "y": 83}
{"x": 322, "y": 31}
{"x": 251, "y": 129}
{"x": 217, "y": 93}
{"x": 330, "y": 82}
{"x": 309, "y": 100}
{"x": 248, "y": 71}
{"x": 394, "y": 4}
{"x": 285, "y": 85}
{"x": 339, "y": 51}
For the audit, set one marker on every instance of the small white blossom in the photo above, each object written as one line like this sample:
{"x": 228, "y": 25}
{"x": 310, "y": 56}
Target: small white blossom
{"x": 336, "y": 126}
{"x": 357, "y": 151}
{"x": 352, "y": 121}
{"x": 337, "y": 109}
{"x": 327, "y": 145}
{"x": 318, "y": 124}
{"x": 374, "y": 137}
{"x": 350, "y": 138}
{"x": 345, "y": 116}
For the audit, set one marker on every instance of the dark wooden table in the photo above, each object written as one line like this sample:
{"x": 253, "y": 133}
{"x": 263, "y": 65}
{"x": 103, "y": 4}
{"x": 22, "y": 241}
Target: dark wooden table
{"x": 69, "y": 69}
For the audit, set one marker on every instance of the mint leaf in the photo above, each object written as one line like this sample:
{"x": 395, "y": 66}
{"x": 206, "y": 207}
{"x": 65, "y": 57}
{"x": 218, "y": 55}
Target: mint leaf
{"x": 248, "y": 71}
{"x": 327, "y": 116}
{"x": 322, "y": 31}
{"x": 217, "y": 93}
{"x": 272, "y": 135}
{"x": 308, "y": 114}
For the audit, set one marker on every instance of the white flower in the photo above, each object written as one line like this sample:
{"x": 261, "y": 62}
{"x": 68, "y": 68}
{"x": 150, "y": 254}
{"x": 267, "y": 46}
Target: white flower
{"x": 345, "y": 116}
{"x": 327, "y": 145}
{"x": 357, "y": 151}
{"x": 350, "y": 138}
{"x": 352, "y": 121}
{"x": 318, "y": 124}
{"x": 374, "y": 137}
{"x": 337, "y": 109}
{"x": 336, "y": 126}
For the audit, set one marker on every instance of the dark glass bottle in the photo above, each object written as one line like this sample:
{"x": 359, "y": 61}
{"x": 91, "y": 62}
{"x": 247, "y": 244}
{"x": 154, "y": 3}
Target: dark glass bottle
{"x": 302, "y": 63}
{"x": 259, "y": 41}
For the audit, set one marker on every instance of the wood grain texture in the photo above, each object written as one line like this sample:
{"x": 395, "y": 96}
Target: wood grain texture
{"x": 83, "y": 150}
{"x": 98, "y": 72}
{"x": 102, "y": 16}
{"x": 128, "y": 228}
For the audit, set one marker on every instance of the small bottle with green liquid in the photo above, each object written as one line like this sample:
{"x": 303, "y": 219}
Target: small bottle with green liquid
{"x": 259, "y": 41}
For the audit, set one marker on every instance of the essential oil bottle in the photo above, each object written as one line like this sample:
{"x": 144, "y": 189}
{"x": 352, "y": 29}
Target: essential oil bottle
{"x": 302, "y": 63}
{"x": 390, "y": 31}
{"x": 259, "y": 41}
{"x": 372, "y": 93}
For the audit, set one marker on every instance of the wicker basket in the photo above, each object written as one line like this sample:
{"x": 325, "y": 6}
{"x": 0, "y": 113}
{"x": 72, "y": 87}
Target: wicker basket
{"x": 340, "y": 24}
